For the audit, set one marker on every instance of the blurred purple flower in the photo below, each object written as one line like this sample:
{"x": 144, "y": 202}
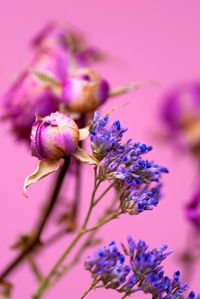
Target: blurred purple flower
{"x": 181, "y": 115}
{"x": 84, "y": 91}
{"x": 192, "y": 209}
{"x": 25, "y": 98}
{"x": 57, "y": 36}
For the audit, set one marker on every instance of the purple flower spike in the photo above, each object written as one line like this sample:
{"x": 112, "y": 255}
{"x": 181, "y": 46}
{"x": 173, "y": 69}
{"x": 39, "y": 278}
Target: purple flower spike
{"x": 137, "y": 180}
{"x": 192, "y": 209}
{"x": 84, "y": 91}
{"x": 54, "y": 137}
{"x": 136, "y": 268}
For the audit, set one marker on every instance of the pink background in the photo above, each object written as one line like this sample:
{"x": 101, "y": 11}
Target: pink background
{"x": 156, "y": 40}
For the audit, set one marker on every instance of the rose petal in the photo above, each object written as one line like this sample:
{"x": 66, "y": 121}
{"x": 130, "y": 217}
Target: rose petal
{"x": 83, "y": 133}
{"x": 84, "y": 157}
{"x": 43, "y": 169}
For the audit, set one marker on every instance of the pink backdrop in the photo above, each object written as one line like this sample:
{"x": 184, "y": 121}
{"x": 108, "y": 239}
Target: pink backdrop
{"x": 156, "y": 40}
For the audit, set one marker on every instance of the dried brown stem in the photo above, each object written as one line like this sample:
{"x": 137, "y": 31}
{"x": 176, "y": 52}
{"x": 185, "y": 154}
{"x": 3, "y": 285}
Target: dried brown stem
{"x": 42, "y": 223}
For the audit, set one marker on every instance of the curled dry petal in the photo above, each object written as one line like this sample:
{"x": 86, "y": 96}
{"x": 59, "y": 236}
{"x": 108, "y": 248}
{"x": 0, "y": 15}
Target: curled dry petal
{"x": 43, "y": 169}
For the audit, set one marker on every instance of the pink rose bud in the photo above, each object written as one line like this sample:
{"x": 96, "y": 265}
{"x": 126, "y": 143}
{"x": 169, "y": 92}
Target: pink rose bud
{"x": 192, "y": 209}
{"x": 181, "y": 115}
{"x": 54, "y": 137}
{"x": 52, "y": 62}
{"x": 26, "y": 97}
{"x": 55, "y": 36}
{"x": 84, "y": 91}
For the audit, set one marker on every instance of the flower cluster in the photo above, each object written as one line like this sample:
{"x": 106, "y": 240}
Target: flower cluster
{"x": 29, "y": 95}
{"x": 135, "y": 269}
{"x": 137, "y": 180}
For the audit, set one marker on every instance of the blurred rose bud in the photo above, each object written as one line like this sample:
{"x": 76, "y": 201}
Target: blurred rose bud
{"x": 53, "y": 62}
{"x": 192, "y": 209}
{"x": 54, "y": 137}
{"x": 84, "y": 91}
{"x": 25, "y": 98}
{"x": 181, "y": 115}
{"x": 55, "y": 36}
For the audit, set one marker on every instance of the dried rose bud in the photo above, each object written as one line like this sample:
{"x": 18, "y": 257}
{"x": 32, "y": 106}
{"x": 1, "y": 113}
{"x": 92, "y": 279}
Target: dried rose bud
{"x": 25, "y": 98}
{"x": 192, "y": 209}
{"x": 53, "y": 62}
{"x": 57, "y": 36}
{"x": 54, "y": 137}
{"x": 84, "y": 91}
{"x": 181, "y": 115}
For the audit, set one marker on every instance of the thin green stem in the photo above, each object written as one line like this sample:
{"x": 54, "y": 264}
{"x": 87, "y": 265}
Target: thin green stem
{"x": 85, "y": 244}
{"x": 91, "y": 287}
{"x": 101, "y": 223}
{"x": 103, "y": 194}
{"x": 46, "y": 282}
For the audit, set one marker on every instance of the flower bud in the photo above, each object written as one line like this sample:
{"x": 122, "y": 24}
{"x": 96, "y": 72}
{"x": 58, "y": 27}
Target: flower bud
{"x": 181, "y": 115}
{"x": 54, "y": 137}
{"x": 52, "y": 62}
{"x": 181, "y": 104}
{"x": 192, "y": 209}
{"x": 56, "y": 36}
{"x": 84, "y": 91}
{"x": 26, "y": 97}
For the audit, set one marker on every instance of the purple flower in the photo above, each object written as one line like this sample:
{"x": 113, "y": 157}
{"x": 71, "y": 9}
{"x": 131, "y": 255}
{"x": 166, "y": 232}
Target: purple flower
{"x": 135, "y": 268}
{"x": 181, "y": 114}
{"x": 55, "y": 36}
{"x": 137, "y": 180}
{"x": 54, "y": 137}
{"x": 192, "y": 209}
{"x": 25, "y": 98}
{"x": 84, "y": 91}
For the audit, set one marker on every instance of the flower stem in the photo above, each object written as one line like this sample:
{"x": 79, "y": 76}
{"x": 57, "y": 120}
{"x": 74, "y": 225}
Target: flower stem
{"x": 77, "y": 191}
{"x": 45, "y": 284}
{"x": 101, "y": 223}
{"x": 85, "y": 244}
{"x": 42, "y": 223}
{"x": 91, "y": 287}
{"x": 34, "y": 268}
{"x": 102, "y": 195}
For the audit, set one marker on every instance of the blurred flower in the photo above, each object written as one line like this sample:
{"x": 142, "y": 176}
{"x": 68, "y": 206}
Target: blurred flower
{"x": 84, "y": 91}
{"x": 192, "y": 209}
{"x": 181, "y": 115}
{"x": 55, "y": 36}
{"x": 55, "y": 49}
{"x": 26, "y": 97}
{"x": 136, "y": 180}
{"x": 135, "y": 269}
{"x": 52, "y": 138}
